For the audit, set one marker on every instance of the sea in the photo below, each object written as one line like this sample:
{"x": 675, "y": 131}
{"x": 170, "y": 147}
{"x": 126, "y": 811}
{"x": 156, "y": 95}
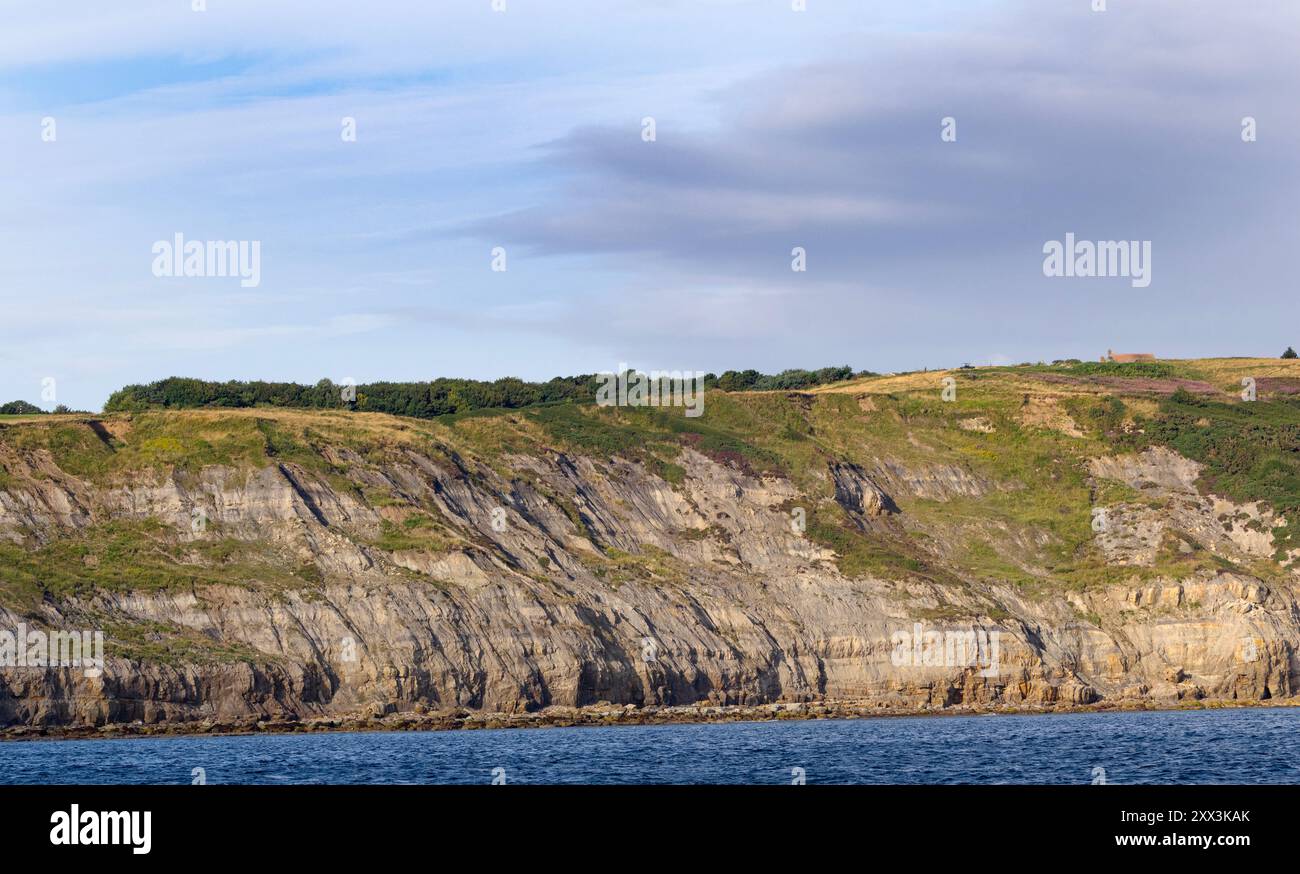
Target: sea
{"x": 1248, "y": 746}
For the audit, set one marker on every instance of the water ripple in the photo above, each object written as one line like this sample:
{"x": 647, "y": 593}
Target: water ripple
{"x": 1227, "y": 746}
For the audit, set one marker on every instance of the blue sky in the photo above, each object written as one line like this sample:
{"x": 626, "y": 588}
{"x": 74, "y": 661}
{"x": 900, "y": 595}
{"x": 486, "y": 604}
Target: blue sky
{"x": 522, "y": 129}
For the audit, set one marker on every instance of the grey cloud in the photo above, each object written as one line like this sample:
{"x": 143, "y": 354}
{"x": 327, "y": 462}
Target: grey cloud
{"x": 1119, "y": 125}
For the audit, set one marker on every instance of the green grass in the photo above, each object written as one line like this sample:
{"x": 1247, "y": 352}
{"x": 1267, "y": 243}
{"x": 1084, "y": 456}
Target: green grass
{"x": 651, "y": 565}
{"x": 168, "y": 644}
{"x": 1128, "y": 370}
{"x": 143, "y": 556}
{"x": 657, "y": 435}
{"x": 858, "y": 554}
{"x": 78, "y": 450}
{"x": 417, "y": 532}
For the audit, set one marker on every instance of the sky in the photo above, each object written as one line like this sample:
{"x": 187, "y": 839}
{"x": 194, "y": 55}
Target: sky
{"x": 523, "y": 130}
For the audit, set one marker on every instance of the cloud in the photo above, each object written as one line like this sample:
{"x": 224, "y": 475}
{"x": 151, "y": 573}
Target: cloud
{"x": 818, "y": 129}
{"x": 1111, "y": 125}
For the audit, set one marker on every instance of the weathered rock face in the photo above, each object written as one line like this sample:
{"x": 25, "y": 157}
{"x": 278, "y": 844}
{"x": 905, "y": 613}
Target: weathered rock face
{"x": 857, "y": 493}
{"x": 571, "y": 581}
{"x": 1132, "y": 533}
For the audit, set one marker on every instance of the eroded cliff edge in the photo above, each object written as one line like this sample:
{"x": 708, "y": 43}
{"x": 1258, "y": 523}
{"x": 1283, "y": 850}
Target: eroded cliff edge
{"x": 273, "y": 565}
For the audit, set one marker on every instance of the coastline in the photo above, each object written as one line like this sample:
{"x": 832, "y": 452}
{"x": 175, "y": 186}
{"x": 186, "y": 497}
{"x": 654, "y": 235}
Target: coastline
{"x": 596, "y": 715}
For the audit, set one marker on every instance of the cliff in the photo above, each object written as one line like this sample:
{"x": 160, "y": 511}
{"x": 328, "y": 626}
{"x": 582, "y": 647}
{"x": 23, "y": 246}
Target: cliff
{"x": 282, "y": 565}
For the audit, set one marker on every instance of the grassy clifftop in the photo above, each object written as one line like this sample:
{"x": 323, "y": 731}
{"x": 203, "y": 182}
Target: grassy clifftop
{"x": 1013, "y": 442}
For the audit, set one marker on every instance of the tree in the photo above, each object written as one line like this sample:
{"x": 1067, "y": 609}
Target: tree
{"x": 1290, "y": 353}
{"x": 19, "y": 408}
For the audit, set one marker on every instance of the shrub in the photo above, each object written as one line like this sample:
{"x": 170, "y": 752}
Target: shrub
{"x": 19, "y": 408}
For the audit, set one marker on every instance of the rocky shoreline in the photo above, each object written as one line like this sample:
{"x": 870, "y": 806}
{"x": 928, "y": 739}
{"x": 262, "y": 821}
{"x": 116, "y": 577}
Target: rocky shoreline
{"x": 592, "y": 716}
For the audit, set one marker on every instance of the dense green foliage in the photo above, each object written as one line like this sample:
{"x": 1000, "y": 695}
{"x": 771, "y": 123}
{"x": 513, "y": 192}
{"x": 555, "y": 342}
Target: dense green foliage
{"x": 19, "y": 408}
{"x": 786, "y": 380}
{"x": 1141, "y": 369}
{"x": 424, "y": 400}
{"x": 419, "y": 399}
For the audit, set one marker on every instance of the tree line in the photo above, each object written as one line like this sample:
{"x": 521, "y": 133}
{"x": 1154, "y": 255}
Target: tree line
{"x": 425, "y": 400}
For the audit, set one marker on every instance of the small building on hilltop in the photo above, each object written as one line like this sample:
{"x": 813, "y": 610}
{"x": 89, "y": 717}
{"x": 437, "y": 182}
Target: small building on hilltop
{"x": 1127, "y": 357}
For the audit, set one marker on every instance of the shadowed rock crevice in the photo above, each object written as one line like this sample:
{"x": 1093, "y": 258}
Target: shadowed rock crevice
{"x": 308, "y": 501}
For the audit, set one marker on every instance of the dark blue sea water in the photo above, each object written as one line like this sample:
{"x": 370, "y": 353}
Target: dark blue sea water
{"x": 1226, "y": 746}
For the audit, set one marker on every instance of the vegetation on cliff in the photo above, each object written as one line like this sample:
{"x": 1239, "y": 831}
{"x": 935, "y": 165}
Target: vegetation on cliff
{"x": 1014, "y": 442}
{"x": 970, "y": 495}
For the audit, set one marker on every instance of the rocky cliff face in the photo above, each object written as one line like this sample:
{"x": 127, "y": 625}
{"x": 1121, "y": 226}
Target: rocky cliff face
{"x": 433, "y": 580}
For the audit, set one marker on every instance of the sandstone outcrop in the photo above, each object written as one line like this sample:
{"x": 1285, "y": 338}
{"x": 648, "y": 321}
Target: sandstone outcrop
{"x": 563, "y": 580}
